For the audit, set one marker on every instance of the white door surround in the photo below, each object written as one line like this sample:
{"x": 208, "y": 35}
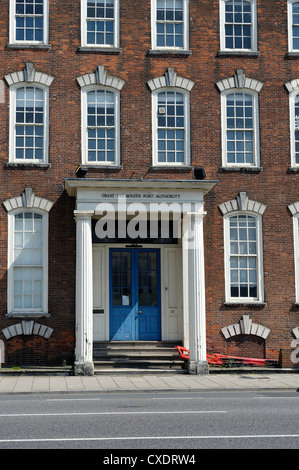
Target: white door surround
{"x": 180, "y": 200}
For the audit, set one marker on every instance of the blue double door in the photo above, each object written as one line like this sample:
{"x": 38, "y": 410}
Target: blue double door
{"x": 135, "y": 298}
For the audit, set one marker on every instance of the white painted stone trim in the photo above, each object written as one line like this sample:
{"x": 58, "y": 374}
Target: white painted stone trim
{"x": 239, "y": 80}
{"x": 293, "y": 85}
{"x": 295, "y": 332}
{"x": 170, "y": 79}
{"x": 84, "y": 294}
{"x": 294, "y": 208}
{"x": 29, "y": 75}
{"x": 246, "y": 327}
{"x": 242, "y": 203}
{"x": 28, "y": 200}
{"x": 100, "y": 77}
{"x": 27, "y": 328}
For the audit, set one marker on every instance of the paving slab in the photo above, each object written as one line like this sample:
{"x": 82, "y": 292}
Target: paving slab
{"x": 58, "y": 384}
{"x": 40, "y": 384}
{"x": 24, "y": 384}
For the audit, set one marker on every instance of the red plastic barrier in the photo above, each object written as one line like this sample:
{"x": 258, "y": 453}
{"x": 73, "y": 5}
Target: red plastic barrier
{"x": 184, "y": 353}
{"x": 222, "y": 359}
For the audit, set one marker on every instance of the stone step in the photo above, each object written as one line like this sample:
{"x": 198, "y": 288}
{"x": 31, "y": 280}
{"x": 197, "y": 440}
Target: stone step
{"x": 137, "y": 371}
{"x": 130, "y": 349}
{"x": 134, "y": 352}
{"x": 150, "y": 365}
{"x": 112, "y": 345}
{"x": 136, "y": 356}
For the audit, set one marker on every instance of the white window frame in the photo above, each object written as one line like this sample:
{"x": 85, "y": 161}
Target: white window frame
{"x": 12, "y": 126}
{"x": 296, "y": 253}
{"x": 10, "y": 274}
{"x": 12, "y": 26}
{"x": 187, "y": 147}
{"x": 84, "y": 27}
{"x": 259, "y": 258}
{"x": 292, "y": 100}
{"x": 84, "y": 127}
{"x": 290, "y": 25}
{"x": 185, "y": 28}
{"x": 256, "y": 138}
{"x": 253, "y": 28}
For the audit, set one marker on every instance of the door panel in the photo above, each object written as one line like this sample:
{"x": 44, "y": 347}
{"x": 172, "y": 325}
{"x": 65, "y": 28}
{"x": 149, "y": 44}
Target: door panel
{"x": 173, "y": 299}
{"x": 135, "y": 310}
{"x": 121, "y": 306}
{"x": 148, "y": 295}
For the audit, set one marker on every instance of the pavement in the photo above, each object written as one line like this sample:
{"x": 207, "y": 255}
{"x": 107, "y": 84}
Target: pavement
{"x": 240, "y": 380}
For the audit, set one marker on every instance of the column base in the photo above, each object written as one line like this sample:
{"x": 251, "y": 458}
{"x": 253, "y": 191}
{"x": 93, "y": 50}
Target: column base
{"x": 198, "y": 368}
{"x": 85, "y": 368}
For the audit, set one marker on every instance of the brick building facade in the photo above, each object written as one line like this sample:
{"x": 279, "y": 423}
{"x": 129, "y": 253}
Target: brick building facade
{"x": 185, "y": 102}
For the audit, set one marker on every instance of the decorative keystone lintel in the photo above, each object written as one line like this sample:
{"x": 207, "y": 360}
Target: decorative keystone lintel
{"x": 239, "y": 80}
{"x": 242, "y": 203}
{"x": 245, "y": 327}
{"x": 28, "y": 200}
{"x": 295, "y": 332}
{"x": 29, "y": 74}
{"x": 100, "y": 77}
{"x": 27, "y": 328}
{"x": 170, "y": 79}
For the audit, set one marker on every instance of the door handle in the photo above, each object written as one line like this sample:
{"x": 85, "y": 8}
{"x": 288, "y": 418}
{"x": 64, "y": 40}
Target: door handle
{"x": 139, "y": 311}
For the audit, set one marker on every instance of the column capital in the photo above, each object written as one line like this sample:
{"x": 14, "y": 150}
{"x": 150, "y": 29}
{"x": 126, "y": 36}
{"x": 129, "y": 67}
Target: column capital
{"x": 83, "y": 215}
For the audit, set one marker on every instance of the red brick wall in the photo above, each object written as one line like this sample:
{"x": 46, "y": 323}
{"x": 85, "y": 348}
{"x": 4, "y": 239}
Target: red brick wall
{"x": 273, "y": 186}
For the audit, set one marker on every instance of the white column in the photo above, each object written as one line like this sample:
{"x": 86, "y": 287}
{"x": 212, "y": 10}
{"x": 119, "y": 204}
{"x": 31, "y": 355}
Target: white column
{"x": 185, "y": 269}
{"x": 194, "y": 257}
{"x": 84, "y": 294}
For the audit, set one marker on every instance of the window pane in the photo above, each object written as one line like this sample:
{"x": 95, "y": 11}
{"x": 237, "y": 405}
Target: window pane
{"x": 28, "y": 270}
{"x": 101, "y": 126}
{"x": 171, "y": 123}
{"x": 238, "y": 24}
{"x": 169, "y": 23}
{"x": 29, "y": 122}
{"x": 239, "y": 135}
{"x": 100, "y": 18}
{"x": 243, "y": 256}
{"x": 29, "y": 21}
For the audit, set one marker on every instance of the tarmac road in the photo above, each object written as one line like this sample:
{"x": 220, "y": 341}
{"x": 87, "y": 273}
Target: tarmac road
{"x": 173, "y": 421}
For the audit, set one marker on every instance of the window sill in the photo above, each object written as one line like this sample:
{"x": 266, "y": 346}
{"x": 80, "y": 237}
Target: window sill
{"x": 27, "y": 315}
{"x": 293, "y": 170}
{"x": 28, "y": 166}
{"x": 243, "y": 169}
{"x": 292, "y": 55}
{"x": 102, "y": 50}
{"x": 238, "y": 53}
{"x": 171, "y": 52}
{"x": 256, "y": 304}
{"x": 101, "y": 167}
{"x": 28, "y": 46}
{"x": 172, "y": 168}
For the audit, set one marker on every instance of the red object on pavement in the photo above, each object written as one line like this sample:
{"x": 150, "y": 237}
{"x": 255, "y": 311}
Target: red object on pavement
{"x": 222, "y": 359}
